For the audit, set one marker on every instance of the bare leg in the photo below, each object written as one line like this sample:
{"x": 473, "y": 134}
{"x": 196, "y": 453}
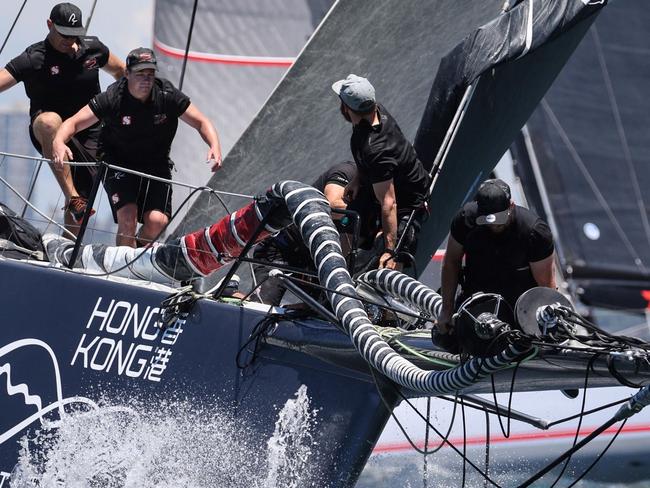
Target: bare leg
{"x": 154, "y": 222}
{"x": 127, "y": 223}
{"x": 45, "y": 126}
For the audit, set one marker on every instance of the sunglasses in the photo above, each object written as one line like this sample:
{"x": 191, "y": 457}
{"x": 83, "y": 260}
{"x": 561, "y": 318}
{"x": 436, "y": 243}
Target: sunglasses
{"x": 68, "y": 37}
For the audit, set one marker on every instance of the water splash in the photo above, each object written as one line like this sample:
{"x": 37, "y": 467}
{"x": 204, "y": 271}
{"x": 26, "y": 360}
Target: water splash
{"x": 289, "y": 449}
{"x": 177, "y": 444}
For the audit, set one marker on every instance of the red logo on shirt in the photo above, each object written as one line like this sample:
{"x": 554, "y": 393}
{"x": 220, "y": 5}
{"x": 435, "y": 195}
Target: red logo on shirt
{"x": 54, "y": 70}
{"x": 90, "y": 63}
{"x": 126, "y": 120}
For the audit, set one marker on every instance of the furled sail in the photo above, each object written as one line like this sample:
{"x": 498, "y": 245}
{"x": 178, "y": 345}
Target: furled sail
{"x": 492, "y": 80}
{"x": 586, "y": 147}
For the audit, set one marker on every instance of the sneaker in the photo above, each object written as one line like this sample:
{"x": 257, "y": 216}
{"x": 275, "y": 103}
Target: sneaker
{"x": 77, "y": 208}
{"x": 231, "y": 289}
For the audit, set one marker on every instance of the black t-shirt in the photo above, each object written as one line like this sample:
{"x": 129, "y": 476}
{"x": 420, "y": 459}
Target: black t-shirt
{"x": 382, "y": 152}
{"x": 340, "y": 174}
{"x": 135, "y": 134}
{"x": 499, "y": 263}
{"x": 59, "y": 82}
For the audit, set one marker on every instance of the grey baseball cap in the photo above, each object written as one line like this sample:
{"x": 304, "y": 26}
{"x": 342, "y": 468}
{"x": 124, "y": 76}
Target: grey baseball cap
{"x": 356, "y": 92}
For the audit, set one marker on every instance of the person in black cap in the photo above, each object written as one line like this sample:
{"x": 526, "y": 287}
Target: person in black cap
{"x": 60, "y": 76}
{"x": 391, "y": 181}
{"x": 139, "y": 115}
{"x": 507, "y": 248}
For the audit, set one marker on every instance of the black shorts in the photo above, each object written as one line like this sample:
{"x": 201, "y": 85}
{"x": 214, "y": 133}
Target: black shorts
{"x": 370, "y": 224}
{"x": 125, "y": 188}
{"x": 84, "y": 149}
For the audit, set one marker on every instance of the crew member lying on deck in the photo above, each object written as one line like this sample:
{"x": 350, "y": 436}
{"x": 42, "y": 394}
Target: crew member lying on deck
{"x": 140, "y": 115}
{"x": 60, "y": 75}
{"x": 507, "y": 248}
{"x": 287, "y": 248}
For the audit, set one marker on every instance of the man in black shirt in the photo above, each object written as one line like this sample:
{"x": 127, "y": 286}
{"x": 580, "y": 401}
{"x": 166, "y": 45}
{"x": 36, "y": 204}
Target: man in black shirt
{"x": 507, "y": 248}
{"x": 139, "y": 115}
{"x": 60, "y": 76}
{"x": 287, "y": 248}
{"x": 391, "y": 181}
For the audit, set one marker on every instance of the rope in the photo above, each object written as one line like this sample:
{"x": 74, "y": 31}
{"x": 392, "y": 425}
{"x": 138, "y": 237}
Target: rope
{"x": 633, "y": 177}
{"x": 4, "y": 43}
{"x": 592, "y": 184}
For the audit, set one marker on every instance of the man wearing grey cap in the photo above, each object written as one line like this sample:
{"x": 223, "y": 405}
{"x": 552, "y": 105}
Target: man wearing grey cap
{"x": 139, "y": 115}
{"x": 507, "y": 248}
{"x": 391, "y": 183}
{"x": 60, "y": 75}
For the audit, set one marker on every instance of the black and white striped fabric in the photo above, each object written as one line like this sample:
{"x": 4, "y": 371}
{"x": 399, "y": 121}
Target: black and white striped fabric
{"x": 310, "y": 212}
{"x": 405, "y": 288}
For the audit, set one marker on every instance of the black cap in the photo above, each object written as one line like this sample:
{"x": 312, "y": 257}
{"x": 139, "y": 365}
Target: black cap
{"x": 141, "y": 58}
{"x": 67, "y": 21}
{"x": 493, "y": 202}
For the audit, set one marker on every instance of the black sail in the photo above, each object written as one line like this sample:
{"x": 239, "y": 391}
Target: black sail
{"x": 589, "y": 142}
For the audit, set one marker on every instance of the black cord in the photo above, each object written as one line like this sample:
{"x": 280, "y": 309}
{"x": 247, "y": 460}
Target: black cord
{"x": 588, "y": 412}
{"x": 432, "y": 427}
{"x": 462, "y": 410}
{"x": 356, "y": 297}
{"x": 425, "y": 465}
{"x": 487, "y": 445}
{"x": 505, "y": 432}
{"x": 187, "y": 46}
{"x": 424, "y": 452}
{"x": 580, "y": 419}
{"x": 257, "y": 334}
{"x": 12, "y": 26}
{"x": 609, "y": 444}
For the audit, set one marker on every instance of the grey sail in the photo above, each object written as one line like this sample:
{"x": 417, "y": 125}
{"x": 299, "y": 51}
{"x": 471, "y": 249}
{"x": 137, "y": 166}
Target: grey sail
{"x": 239, "y": 51}
{"x": 299, "y": 132}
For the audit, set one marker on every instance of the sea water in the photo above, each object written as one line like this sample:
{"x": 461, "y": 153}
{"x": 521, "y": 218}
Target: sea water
{"x": 176, "y": 444}
{"x": 181, "y": 444}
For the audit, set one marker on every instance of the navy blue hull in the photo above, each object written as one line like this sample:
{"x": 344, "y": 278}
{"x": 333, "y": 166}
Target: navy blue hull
{"x": 65, "y": 335}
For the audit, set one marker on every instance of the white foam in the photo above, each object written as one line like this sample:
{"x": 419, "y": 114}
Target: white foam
{"x": 173, "y": 444}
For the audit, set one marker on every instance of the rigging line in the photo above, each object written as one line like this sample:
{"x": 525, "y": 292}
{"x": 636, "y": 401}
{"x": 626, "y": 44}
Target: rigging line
{"x": 592, "y": 184}
{"x": 50, "y": 220}
{"x": 425, "y": 466}
{"x": 621, "y": 132}
{"x": 587, "y": 412}
{"x": 445, "y": 440}
{"x": 4, "y": 43}
{"x": 599, "y": 456}
{"x": 187, "y": 46}
{"x": 133, "y": 172}
{"x": 144, "y": 249}
{"x": 90, "y": 16}
{"x": 580, "y": 419}
{"x": 487, "y": 445}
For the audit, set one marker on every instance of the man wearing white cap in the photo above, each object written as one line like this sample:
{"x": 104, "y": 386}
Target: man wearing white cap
{"x": 391, "y": 181}
{"x": 507, "y": 249}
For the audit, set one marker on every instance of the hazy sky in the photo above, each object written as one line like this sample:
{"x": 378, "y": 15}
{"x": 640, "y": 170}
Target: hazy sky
{"x": 120, "y": 24}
